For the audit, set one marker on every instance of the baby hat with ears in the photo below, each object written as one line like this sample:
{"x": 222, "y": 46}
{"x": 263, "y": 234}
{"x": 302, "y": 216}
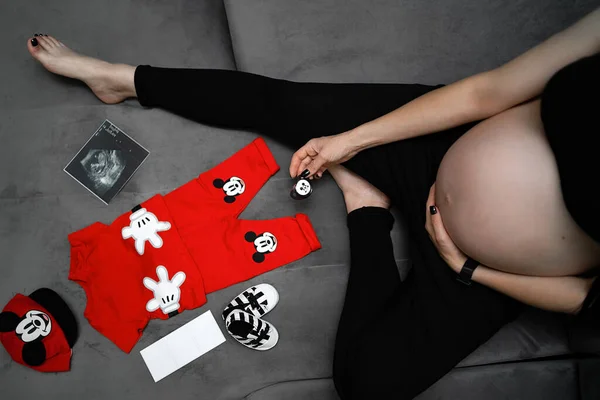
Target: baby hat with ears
{"x": 39, "y": 331}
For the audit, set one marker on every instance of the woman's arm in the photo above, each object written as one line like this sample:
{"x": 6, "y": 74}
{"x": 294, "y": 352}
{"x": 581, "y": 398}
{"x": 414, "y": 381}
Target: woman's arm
{"x": 485, "y": 94}
{"x": 564, "y": 294}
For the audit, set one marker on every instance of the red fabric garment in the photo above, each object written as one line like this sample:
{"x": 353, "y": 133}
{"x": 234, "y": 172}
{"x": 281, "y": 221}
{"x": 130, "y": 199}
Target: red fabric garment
{"x": 195, "y": 244}
{"x": 56, "y": 349}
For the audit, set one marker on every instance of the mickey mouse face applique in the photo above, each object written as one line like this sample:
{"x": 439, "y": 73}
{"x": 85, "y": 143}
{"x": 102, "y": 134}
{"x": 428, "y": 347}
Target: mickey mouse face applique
{"x": 31, "y": 329}
{"x": 263, "y": 243}
{"x": 144, "y": 227}
{"x": 232, "y": 187}
{"x": 301, "y": 190}
{"x": 35, "y": 324}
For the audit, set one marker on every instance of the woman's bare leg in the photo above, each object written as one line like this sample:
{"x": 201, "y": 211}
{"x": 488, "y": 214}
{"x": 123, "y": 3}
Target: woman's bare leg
{"x": 112, "y": 83}
{"x": 357, "y": 192}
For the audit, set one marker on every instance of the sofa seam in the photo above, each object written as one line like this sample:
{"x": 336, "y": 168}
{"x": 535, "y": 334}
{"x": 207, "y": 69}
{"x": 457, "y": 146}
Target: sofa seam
{"x": 558, "y": 357}
{"x": 251, "y": 394}
{"x": 235, "y": 61}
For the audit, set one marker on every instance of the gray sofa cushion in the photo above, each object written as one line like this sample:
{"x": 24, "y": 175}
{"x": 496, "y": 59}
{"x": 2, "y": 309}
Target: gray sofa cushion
{"x": 542, "y": 380}
{"x": 311, "y": 389}
{"x": 535, "y": 334}
{"x": 424, "y": 41}
{"x": 179, "y": 33}
{"x": 539, "y": 380}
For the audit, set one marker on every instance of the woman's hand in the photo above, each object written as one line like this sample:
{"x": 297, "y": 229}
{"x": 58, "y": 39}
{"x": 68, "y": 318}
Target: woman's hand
{"x": 439, "y": 236}
{"x": 321, "y": 152}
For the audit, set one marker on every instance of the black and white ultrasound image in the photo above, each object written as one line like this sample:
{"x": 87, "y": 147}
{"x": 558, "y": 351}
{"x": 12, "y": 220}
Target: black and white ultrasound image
{"x": 107, "y": 161}
{"x": 104, "y": 168}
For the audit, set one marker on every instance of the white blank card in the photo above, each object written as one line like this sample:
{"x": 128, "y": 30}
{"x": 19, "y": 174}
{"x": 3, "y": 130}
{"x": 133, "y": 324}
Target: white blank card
{"x": 182, "y": 346}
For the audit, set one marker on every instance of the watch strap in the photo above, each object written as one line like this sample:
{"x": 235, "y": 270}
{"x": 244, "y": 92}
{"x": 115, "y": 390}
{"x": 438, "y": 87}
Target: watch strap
{"x": 466, "y": 273}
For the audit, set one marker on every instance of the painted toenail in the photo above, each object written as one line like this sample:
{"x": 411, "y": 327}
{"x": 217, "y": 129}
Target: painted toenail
{"x": 45, "y": 34}
{"x": 36, "y": 34}
{"x": 34, "y": 42}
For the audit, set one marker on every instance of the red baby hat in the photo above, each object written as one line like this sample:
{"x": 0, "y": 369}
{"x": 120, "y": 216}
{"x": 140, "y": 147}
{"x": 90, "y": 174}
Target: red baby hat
{"x": 39, "y": 331}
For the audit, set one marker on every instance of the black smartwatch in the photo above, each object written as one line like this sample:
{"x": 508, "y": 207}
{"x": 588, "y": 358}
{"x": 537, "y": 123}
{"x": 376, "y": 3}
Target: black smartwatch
{"x": 466, "y": 273}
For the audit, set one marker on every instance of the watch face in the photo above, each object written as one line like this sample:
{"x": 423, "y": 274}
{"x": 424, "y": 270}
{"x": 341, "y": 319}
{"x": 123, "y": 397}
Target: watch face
{"x": 303, "y": 187}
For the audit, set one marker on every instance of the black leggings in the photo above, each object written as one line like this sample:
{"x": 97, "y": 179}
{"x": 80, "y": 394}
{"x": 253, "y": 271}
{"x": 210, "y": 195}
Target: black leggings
{"x": 395, "y": 339}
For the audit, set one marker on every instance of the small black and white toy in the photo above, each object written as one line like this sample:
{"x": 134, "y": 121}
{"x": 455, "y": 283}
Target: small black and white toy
{"x": 301, "y": 190}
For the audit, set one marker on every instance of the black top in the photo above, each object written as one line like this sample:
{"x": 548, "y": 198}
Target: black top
{"x": 571, "y": 113}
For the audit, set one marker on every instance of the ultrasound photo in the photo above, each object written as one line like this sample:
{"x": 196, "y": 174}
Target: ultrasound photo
{"x": 107, "y": 161}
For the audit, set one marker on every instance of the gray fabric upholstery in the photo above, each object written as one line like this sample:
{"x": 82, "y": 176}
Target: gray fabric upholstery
{"x": 314, "y": 389}
{"x": 536, "y": 380}
{"x": 45, "y": 119}
{"x": 535, "y": 334}
{"x": 179, "y": 33}
{"x": 540, "y": 380}
{"x": 413, "y": 41}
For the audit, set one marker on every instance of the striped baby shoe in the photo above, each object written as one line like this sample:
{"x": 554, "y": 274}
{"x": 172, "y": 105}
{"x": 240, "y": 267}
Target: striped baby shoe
{"x": 251, "y": 331}
{"x": 256, "y": 300}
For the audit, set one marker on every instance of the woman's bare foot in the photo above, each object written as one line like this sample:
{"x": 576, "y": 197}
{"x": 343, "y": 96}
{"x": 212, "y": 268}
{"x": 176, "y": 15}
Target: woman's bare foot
{"x": 357, "y": 192}
{"x": 112, "y": 83}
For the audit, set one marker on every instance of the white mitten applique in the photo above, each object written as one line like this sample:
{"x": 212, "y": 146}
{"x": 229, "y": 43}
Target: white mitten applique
{"x": 166, "y": 292}
{"x": 145, "y": 226}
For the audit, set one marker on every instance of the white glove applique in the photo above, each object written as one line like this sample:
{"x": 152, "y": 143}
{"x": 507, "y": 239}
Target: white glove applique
{"x": 145, "y": 226}
{"x": 166, "y": 292}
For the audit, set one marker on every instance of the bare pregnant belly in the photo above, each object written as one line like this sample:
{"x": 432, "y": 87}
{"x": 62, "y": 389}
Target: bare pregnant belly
{"x": 498, "y": 192}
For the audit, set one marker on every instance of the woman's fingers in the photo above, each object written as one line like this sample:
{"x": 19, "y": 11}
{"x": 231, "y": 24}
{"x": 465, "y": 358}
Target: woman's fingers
{"x": 429, "y": 211}
{"x": 431, "y": 198}
{"x": 299, "y": 160}
{"x": 298, "y": 163}
{"x": 435, "y": 219}
{"x": 316, "y": 163}
{"x": 439, "y": 229}
{"x": 302, "y": 167}
{"x": 428, "y": 206}
{"x": 320, "y": 172}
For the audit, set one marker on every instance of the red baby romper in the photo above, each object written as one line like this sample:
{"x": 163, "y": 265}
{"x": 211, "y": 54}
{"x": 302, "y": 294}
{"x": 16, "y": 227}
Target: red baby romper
{"x": 165, "y": 255}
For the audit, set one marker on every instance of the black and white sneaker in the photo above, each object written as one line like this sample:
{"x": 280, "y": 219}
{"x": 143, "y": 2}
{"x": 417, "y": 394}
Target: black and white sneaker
{"x": 256, "y": 300}
{"x": 251, "y": 331}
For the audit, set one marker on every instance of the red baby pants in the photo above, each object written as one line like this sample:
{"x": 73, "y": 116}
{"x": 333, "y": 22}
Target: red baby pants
{"x": 165, "y": 255}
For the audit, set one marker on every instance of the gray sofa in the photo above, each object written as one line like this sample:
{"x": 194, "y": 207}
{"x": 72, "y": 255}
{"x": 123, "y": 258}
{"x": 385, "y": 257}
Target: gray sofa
{"x": 44, "y": 120}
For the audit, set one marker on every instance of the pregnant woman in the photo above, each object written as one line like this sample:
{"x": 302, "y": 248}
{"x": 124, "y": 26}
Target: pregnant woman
{"x": 498, "y": 168}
